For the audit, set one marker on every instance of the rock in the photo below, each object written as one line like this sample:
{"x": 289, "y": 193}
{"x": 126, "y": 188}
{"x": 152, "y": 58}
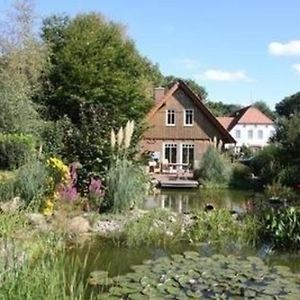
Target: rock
{"x": 38, "y": 221}
{"x": 11, "y": 206}
{"x": 107, "y": 227}
{"x": 78, "y": 225}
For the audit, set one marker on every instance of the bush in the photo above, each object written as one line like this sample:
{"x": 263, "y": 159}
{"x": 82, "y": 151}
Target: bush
{"x": 30, "y": 183}
{"x": 280, "y": 191}
{"x": 157, "y": 227}
{"x": 281, "y": 228}
{"x": 215, "y": 169}
{"x": 289, "y": 175}
{"x": 215, "y": 226}
{"x": 15, "y": 149}
{"x": 266, "y": 163}
{"x": 241, "y": 176}
{"x": 126, "y": 184}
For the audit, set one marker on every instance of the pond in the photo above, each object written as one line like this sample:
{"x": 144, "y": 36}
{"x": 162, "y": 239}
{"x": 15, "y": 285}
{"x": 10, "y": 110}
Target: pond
{"x": 185, "y": 201}
{"x": 108, "y": 255}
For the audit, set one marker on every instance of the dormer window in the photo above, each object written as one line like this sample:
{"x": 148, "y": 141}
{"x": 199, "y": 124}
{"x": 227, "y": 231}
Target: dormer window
{"x": 170, "y": 117}
{"x": 188, "y": 117}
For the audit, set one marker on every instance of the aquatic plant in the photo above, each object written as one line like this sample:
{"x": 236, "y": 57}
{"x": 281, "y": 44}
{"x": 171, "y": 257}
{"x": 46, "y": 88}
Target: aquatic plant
{"x": 157, "y": 227}
{"x": 280, "y": 227}
{"x": 217, "y": 226}
{"x": 190, "y": 276}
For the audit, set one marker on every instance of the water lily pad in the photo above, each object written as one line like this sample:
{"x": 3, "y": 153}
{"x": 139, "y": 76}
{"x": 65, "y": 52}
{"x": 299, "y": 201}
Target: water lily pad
{"x": 99, "y": 278}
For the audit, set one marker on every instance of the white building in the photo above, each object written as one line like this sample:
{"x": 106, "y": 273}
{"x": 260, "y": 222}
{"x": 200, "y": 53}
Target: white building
{"x": 249, "y": 127}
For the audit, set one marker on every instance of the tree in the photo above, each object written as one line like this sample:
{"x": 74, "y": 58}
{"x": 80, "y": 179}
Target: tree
{"x": 220, "y": 109}
{"x": 193, "y": 85}
{"x": 263, "y": 107}
{"x": 289, "y": 105}
{"x": 94, "y": 62}
{"x": 97, "y": 80}
{"x": 21, "y": 63}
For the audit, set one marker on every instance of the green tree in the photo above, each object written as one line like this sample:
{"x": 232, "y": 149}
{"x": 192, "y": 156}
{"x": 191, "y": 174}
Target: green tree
{"x": 98, "y": 81}
{"x": 220, "y": 109}
{"x": 193, "y": 85}
{"x": 22, "y": 60}
{"x": 289, "y": 105}
{"x": 95, "y": 62}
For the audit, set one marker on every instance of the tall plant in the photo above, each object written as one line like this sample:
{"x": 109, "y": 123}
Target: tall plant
{"x": 126, "y": 181}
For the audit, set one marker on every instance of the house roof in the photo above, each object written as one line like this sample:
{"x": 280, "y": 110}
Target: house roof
{"x": 198, "y": 102}
{"x": 245, "y": 115}
{"x": 225, "y": 121}
{"x": 251, "y": 115}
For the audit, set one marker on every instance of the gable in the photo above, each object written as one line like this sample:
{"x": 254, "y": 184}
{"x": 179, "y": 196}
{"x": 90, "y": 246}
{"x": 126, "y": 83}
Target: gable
{"x": 252, "y": 115}
{"x": 179, "y": 98}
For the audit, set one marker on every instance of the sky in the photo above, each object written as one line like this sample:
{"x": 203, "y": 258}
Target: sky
{"x": 240, "y": 51}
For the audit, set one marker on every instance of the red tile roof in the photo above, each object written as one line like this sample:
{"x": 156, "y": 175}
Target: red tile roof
{"x": 251, "y": 115}
{"x": 225, "y": 121}
{"x": 246, "y": 115}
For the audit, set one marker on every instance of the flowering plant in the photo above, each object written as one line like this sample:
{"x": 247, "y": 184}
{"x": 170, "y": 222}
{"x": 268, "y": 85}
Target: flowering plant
{"x": 96, "y": 192}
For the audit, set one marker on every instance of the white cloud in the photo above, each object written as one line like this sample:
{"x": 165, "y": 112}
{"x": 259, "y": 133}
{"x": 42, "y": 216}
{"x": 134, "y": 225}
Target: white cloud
{"x": 189, "y": 63}
{"x": 221, "y": 75}
{"x": 297, "y": 67}
{"x": 287, "y": 49}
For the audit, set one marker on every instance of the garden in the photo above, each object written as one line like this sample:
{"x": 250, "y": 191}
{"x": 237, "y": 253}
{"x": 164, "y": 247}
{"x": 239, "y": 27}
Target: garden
{"x": 77, "y": 219}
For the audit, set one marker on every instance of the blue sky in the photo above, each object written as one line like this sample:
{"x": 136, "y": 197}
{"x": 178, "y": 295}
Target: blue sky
{"x": 240, "y": 51}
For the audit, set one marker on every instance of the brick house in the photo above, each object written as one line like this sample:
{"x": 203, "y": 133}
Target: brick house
{"x": 180, "y": 127}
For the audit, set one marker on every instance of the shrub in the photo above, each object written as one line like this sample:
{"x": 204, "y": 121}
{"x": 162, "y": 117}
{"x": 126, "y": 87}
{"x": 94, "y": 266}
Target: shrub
{"x": 266, "y": 163}
{"x": 278, "y": 190}
{"x": 32, "y": 183}
{"x": 281, "y": 228}
{"x": 241, "y": 176}
{"x": 15, "y": 149}
{"x": 215, "y": 226}
{"x": 215, "y": 169}
{"x": 157, "y": 227}
{"x": 126, "y": 185}
{"x": 289, "y": 175}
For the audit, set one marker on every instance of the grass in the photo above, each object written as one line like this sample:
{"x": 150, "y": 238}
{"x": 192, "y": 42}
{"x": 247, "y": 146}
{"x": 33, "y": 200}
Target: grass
{"x": 46, "y": 271}
{"x": 49, "y": 277}
{"x": 156, "y": 228}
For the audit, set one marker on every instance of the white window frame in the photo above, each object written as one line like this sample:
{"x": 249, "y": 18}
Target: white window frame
{"x": 185, "y": 118}
{"x": 260, "y": 137}
{"x": 172, "y": 144}
{"x": 187, "y": 145}
{"x": 167, "y": 114}
{"x": 238, "y": 136}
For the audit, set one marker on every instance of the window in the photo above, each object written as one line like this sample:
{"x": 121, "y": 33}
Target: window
{"x": 260, "y": 134}
{"x": 272, "y": 133}
{"x": 170, "y": 117}
{"x": 238, "y": 134}
{"x": 171, "y": 153}
{"x": 188, "y": 154}
{"x": 250, "y": 134}
{"x": 188, "y": 117}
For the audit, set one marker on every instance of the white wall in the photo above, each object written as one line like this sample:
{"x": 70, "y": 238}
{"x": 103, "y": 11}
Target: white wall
{"x": 255, "y": 141}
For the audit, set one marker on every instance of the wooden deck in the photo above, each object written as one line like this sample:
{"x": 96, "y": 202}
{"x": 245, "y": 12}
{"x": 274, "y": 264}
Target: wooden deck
{"x": 173, "y": 181}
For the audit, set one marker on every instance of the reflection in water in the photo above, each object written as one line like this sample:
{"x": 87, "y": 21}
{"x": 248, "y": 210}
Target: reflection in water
{"x": 184, "y": 201}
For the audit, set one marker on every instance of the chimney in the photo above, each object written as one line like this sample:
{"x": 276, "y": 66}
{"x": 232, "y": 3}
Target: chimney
{"x": 159, "y": 93}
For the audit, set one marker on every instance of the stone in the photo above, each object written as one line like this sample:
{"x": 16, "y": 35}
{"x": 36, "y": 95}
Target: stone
{"x": 38, "y": 221}
{"x": 106, "y": 227}
{"x": 78, "y": 225}
{"x": 11, "y": 206}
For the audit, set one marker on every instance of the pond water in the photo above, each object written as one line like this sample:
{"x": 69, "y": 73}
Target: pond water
{"x": 102, "y": 254}
{"x": 184, "y": 201}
